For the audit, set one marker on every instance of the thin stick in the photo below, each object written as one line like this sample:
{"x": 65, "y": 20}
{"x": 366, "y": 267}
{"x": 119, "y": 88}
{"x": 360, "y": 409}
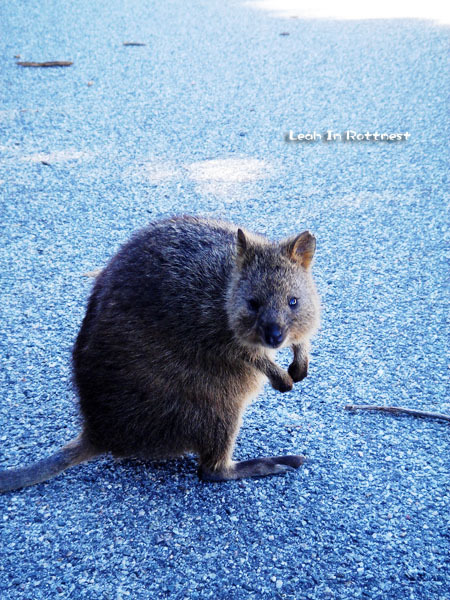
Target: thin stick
{"x": 399, "y": 410}
{"x": 52, "y": 63}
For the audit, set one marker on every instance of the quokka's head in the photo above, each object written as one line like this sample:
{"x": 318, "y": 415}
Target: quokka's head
{"x": 272, "y": 300}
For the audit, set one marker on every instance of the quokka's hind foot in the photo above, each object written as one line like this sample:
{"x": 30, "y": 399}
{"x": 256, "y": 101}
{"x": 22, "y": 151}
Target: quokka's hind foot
{"x": 257, "y": 467}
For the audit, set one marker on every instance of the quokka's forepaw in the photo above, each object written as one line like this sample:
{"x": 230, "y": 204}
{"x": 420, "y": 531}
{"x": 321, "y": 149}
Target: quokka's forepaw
{"x": 298, "y": 371}
{"x": 283, "y": 384}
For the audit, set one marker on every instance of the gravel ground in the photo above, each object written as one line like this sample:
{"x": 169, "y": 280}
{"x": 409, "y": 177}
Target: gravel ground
{"x": 194, "y": 122}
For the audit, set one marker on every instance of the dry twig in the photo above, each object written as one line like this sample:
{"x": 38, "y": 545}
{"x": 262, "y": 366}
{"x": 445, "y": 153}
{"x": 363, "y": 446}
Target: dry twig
{"x": 398, "y": 410}
{"x": 51, "y": 63}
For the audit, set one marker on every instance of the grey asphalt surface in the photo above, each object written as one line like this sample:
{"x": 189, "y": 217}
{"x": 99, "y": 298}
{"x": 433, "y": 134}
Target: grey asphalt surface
{"x": 194, "y": 122}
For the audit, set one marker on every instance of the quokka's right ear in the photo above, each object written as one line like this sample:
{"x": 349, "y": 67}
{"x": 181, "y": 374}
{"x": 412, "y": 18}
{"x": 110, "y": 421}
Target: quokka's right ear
{"x": 245, "y": 250}
{"x": 241, "y": 244}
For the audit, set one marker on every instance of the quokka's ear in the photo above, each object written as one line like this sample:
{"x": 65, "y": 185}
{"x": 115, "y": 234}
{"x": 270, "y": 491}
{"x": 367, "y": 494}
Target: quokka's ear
{"x": 300, "y": 249}
{"x": 245, "y": 250}
{"x": 241, "y": 244}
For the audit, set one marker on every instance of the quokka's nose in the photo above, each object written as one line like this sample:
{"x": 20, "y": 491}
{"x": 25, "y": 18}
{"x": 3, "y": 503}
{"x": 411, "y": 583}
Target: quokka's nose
{"x": 273, "y": 334}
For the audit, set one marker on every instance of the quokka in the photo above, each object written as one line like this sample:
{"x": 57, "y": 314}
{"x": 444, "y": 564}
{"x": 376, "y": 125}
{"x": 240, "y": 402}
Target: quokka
{"x": 180, "y": 333}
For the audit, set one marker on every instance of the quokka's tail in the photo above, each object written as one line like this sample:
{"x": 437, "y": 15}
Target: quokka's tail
{"x": 74, "y": 453}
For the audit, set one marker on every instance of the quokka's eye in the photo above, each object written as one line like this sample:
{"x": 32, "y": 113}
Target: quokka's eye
{"x": 253, "y": 304}
{"x": 292, "y": 302}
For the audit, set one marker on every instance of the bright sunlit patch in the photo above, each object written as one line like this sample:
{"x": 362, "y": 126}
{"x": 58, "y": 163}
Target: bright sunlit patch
{"x": 228, "y": 170}
{"x": 158, "y": 172}
{"x": 355, "y": 10}
{"x": 228, "y": 179}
